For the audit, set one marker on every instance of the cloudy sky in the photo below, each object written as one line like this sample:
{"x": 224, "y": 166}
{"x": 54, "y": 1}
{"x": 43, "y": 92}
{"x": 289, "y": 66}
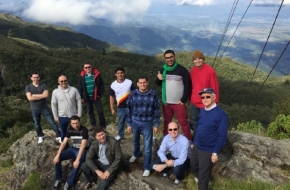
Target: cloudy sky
{"x": 84, "y": 11}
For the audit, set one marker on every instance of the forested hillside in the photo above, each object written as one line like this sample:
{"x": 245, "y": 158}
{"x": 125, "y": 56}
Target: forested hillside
{"x": 38, "y": 49}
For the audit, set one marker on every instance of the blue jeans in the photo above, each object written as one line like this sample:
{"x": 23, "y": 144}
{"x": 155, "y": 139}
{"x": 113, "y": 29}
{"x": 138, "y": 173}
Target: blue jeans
{"x": 46, "y": 113}
{"x": 194, "y": 114}
{"x": 63, "y": 124}
{"x": 178, "y": 170}
{"x": 147, "y": 133}
{"x": 70, "y": 153}
{"x": 99, "y": 106}
{"x": 121, "y": 112}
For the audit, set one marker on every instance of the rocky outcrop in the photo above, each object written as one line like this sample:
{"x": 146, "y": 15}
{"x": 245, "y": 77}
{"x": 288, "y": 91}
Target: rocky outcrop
{"x": 244, "y": 156}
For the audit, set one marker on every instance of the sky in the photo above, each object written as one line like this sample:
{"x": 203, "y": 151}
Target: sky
{"x": 75, "y": 12}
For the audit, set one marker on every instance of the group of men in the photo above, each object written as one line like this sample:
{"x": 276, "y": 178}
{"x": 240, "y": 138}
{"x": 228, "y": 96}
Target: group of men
{"x": 140, "y": 109}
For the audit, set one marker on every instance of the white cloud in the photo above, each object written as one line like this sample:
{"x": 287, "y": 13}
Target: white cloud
{"x": 218, "y": 2}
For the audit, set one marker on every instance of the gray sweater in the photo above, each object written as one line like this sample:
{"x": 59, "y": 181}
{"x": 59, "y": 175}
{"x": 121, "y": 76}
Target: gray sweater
{"x": 66, "y": 103}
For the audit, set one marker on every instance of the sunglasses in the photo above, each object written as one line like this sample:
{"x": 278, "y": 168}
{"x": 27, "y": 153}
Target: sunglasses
{"x": 63, "y": 81}
{"x": 175, "y": 129}
{"x": 87, "y": 67}
{"x": 205, "y": 97}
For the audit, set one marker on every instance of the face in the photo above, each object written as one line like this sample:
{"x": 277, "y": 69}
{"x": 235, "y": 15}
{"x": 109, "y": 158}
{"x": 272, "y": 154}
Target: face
{"x": 142, "y": 85}
{"x": 101, "y": 137}
{"x": 120, "y": 75}
{"x": 169, "y": 59}
{"x": 208, "y": 99}
{"x": 62, "y": 81}
{"x": 198, "y": 62}
{"x": 35, "y": 78}
{"x": 75, "y": 124}
{"x": 88, "y": 68}
{"x": 173, "y": 129}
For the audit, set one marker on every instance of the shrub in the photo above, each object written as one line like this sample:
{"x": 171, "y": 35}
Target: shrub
{"x": 280, "y": 128}
{"x": 253, "y": 127}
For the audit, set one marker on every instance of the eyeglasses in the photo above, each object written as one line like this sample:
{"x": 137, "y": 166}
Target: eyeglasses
{"x": 175, "y": 129}
{"x": 169, "y": 57}
{"x": 205, "y": 97}
{"x": 87, "y": 67}
{"x": 63, "y": 81}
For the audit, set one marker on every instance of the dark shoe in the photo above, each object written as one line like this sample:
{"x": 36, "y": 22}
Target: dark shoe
{"x": 56, "y": 184}
{"x": 66, "y": 186}
{"x": 176, "y": 183}
{"x": 165, "y": 176}
{"x": 88, "y": 185}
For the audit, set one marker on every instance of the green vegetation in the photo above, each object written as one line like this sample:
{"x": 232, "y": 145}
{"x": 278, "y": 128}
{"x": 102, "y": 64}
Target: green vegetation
{"x": 251, "y": 127}
{"x": 32, "y": 182}
{"x": 280, "y": 128}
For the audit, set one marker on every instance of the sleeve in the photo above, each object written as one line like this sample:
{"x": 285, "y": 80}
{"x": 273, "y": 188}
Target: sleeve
{"x": 101, "y": 87}
{"x": 112, "y": 92}
{"x": 44, "y": 86}
{"x": 187, "y": 86}
{"x": 54, "y": 105}
{"x": 85, "y": 133}
{"x": 79, "y": 103}
{"x": 92, "y": 155}
{"x": 132, "y": 87}
{"x": 80, "y": 87}
{"x": 222, "y": 133}
{"x": 128, "y": 110}
{"x": 183, "y": 153}
{"x": 215, "y": 86}
{"x": 162, "y": 149}
{"x": 156, "y": 110}
{"x": 27, "y": 89}
{"x": 117, "y": 157}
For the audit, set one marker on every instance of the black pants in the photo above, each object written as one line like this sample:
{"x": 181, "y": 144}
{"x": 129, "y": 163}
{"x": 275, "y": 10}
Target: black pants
{"x": 91, "y": 175}
{"x": 99, "y": 106}
{"x": 201, "y": 167}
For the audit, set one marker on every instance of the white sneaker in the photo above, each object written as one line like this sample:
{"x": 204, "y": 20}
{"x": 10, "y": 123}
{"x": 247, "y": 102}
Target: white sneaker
{"x": 40, "y": 140}
{"x": 196, "y": 180}
{"x": 58, "y": 139}
{"x": 133, "y": 159}
{"x": 146, "y": 173}
{"x": 117, "y": 137}
{"x": 154, "y": 139}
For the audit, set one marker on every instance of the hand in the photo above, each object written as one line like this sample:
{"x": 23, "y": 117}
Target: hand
{"x": 106, "y": 174}
{"x": 160, "y": 167}
{"x": 180, "y": 103}
{"x": 155, "y": 130}
{"x": 214, "y": 158}
{"x": 191, "y": 146}
{"x": 113, "y": 112}
{"x": 83, "y": 101}
{"x": 76, "y": 164}
{"x": 56, "y": 120}
{"x": 99, "y": 173}
{"x": 129, "y": 129}
{"x": 170, "y": 163}
{"x": 56, "y": 160}
{"x": 159, "y": 76}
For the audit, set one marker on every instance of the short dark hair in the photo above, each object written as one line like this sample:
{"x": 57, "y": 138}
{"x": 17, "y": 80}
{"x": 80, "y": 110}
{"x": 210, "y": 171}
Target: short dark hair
{"x": 98, "y": 130}
{"x": 35, "y": 73}
{"x": 85, "y": 63}
{"x": 168, "y": 51}
{"x": 142, "y": 77}
{"x": 75, "y": 117}
{"x": 119, "y": 69}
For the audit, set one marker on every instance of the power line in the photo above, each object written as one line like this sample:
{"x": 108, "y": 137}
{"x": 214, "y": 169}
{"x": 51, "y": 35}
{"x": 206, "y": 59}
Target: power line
{"x": 266, "y": 41}
{"x": 226, "y": 28}
{"x": 236, "y": 29}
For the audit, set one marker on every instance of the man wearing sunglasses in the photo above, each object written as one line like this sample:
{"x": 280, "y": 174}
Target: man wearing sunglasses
{"x": 91, "y": 89}
{"x": 202, "y": 76}
{"x": 210, "y": 137}
{"x": 172, "y": 155}
{"x": 65, "y": 102}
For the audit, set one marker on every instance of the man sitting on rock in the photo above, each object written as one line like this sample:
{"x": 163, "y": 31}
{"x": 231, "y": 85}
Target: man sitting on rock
{"x": 79, "y": 136}
{"x": 176, "y": 159}
{"x": 104, "y": 159}
{"x": 210, "y": 137}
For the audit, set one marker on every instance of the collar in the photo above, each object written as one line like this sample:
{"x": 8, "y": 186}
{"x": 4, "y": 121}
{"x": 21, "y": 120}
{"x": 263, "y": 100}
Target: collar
{"x": 213, "y": 106}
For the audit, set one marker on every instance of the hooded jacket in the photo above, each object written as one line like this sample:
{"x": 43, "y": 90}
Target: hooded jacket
{"x": 99, "y": 85}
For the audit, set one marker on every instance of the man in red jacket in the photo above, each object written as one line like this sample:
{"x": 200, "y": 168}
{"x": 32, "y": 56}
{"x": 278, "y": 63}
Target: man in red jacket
{"x": 91, "y": 89}
{"x": 202, "y": 76}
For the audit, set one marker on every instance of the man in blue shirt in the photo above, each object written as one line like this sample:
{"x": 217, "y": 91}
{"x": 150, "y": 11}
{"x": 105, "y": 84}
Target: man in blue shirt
{"x": 176, "y": 160}
{"x": 210, "y": 137}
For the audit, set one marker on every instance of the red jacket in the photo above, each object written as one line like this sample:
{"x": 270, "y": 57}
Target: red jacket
{"x": 203, "y": 77}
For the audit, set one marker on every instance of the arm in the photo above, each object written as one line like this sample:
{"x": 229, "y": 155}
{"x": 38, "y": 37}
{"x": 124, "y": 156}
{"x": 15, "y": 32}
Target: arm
{"x": 118, "y": 157}
{"x": 81, "y": 151}
{"x": 33, "y": 97}
{"x": 63, "y": 144}
{"x": 215, "y": 86}
{"x": 112, "y": 102}
{"x": 187, "y": 86}
{"x": 128, "y": 111}
{"x": 92, "y": 155}
{"x": 156, "y": 111}
{"x": 79, "y": 103}
{"x": 54, "y": 105}
{"x": 222, "y": 133}
{"x": 80, "y": 87}
{"x": 183, "y": 154}
{"x": 162, "y": 150}
{"x": 101, "y": 87}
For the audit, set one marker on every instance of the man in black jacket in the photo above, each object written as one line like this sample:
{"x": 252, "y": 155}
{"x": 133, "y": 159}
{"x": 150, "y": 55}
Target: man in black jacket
{"x": 104, "y": 159}
{"x": 91, "y": 89}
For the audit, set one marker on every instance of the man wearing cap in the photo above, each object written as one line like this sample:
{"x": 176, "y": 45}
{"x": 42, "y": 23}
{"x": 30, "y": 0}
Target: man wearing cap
{"x": 175, "y": 82}
{"x": 202, "y": 76}
{"x": 211, "y": 135}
